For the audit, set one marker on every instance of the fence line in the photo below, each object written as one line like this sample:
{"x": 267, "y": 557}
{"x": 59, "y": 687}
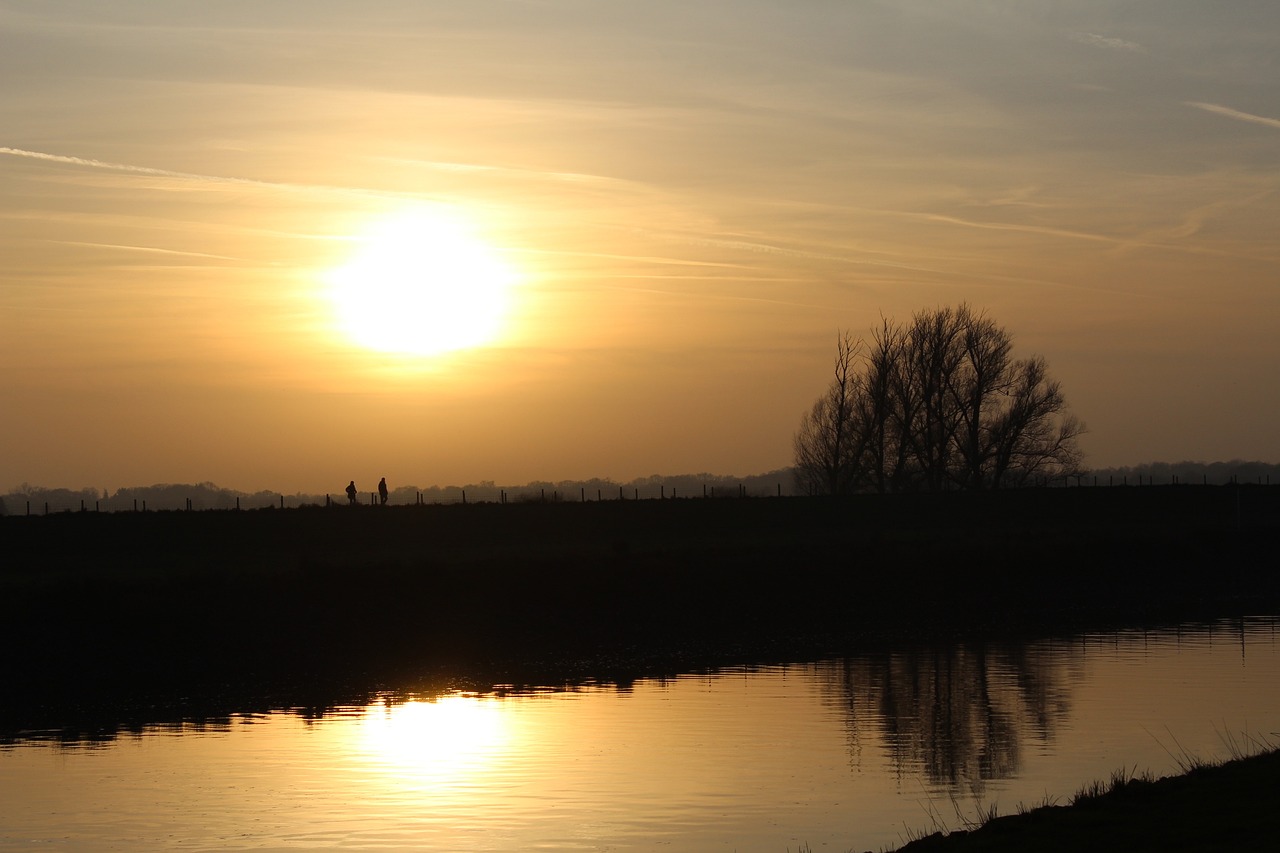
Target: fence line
{"x": 77, "y": 502}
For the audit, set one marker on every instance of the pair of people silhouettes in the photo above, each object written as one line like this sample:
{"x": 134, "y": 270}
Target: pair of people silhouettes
{"x": 382, "y": 492}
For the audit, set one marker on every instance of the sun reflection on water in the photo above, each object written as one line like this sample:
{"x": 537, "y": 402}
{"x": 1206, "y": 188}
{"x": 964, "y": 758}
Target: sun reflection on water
{"x": 435, "y": 742}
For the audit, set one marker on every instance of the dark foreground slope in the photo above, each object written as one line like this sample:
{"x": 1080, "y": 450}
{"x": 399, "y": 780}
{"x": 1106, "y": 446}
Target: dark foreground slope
{"x": 113, "y": 607}
{"x": 1233, "y": 806}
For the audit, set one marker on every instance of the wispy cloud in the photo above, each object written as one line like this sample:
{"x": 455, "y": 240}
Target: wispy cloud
{"x": 1235, "y": 114}
{"x": 1107, "y": 42}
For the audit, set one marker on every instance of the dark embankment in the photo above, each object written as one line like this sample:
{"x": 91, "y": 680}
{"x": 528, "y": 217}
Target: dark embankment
{"x": 113, "y": 608}
{"x": 1230, "y": 806}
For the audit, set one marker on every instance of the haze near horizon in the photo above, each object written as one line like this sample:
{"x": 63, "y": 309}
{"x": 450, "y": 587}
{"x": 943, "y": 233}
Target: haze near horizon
{"x": 285, "y": 244}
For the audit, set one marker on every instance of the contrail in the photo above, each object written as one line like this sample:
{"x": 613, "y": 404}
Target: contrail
{"x": 190, "y": 176}
{"x": 565, "y": 177}
{"x": 1235, "y": 114}
{"x": 123, "y": 167}
{"x": 152, "y": 249}
{"x": 1106, "y": 42}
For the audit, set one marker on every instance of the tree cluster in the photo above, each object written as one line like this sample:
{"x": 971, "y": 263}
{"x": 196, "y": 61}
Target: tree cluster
{"x": 937, "y": 403}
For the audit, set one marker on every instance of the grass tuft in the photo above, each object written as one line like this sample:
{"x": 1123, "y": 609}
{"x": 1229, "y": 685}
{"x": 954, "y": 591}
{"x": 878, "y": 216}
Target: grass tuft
{"x": 1048, "y": 801}
{"x": 1120, "y": 779}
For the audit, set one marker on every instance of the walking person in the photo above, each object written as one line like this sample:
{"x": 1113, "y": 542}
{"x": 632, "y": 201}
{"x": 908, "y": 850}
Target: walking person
{"x": 351, "y": 493}
{"x": 382, "y": 491}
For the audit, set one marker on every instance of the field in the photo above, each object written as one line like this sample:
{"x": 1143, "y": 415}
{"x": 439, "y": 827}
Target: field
{"x": 125, "y": 609}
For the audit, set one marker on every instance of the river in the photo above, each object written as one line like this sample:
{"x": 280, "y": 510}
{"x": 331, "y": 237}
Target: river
{"x": 851, "y": 753}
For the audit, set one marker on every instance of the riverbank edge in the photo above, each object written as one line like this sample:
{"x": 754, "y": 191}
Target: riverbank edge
{"x": 1227, "y": 805}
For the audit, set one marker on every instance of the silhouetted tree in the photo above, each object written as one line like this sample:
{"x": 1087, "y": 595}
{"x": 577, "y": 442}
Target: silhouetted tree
{"x": 937, "y": 403}
{"x": 829, "y": 448}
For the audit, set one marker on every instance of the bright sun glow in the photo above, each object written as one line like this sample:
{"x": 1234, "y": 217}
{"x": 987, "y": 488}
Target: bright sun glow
{"x": 421, "y": 283}
{"x": 438, "y": 741}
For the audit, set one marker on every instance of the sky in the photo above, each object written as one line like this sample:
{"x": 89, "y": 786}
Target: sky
{"x": 671, "y": 210}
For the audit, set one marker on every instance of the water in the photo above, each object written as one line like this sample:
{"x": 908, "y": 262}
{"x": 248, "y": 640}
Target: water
{"x": 848, "y": 754}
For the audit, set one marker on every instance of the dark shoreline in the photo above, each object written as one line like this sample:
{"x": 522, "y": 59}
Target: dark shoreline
{"x": 165, "y": 609}
{"x": 1216, "y": 806}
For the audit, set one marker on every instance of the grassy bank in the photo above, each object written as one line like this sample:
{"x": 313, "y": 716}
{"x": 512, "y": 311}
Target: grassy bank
{"x": 1227, "y": 806}
{"x": 110, "y": 607}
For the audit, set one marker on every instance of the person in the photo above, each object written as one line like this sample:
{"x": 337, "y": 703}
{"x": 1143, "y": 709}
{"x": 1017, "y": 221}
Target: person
{"x": 351, "y": 492}
{"x": 382, "y": 491}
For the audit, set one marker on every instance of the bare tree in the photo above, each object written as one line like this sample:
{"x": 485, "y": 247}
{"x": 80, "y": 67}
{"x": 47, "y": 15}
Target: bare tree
{"x": 981, "y": 378}
{"x": 932, "y": 358}
{"x": 828, "y": 446}
{"x": 936, "y": 404}
{"x": 884, "y": 423}
{"x": 1033, "y": 436}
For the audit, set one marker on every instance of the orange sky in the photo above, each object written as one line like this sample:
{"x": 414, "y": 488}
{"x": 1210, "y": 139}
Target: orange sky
{"x": 691, "y": 200}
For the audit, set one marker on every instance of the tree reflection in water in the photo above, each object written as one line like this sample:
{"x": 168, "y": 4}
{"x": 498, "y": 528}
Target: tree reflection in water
{"x": 960, "y": 714}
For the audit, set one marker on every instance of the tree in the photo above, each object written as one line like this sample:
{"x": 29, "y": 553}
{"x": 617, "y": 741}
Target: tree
{"x": 828, "y": 446}
{"x": 935, "y": 404}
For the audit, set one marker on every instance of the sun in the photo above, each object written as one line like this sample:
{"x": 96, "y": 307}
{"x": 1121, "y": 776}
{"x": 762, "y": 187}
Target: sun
{"x": 422, "y": 283}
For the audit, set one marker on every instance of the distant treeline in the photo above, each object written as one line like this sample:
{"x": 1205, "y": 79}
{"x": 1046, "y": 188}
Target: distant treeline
{"x": 1189, "y": 473}
{"x": 201, "y": 496}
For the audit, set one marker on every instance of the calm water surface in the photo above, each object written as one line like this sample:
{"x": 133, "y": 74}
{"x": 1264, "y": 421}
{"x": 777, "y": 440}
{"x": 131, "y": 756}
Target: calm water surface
{"x": 840, "y": 754}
